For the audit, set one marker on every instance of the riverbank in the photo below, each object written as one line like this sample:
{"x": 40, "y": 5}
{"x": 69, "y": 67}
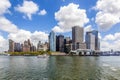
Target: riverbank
{"x": 58, "y": 54}
{"x": 29, "y": 53}
{"x": 53, "y": 54}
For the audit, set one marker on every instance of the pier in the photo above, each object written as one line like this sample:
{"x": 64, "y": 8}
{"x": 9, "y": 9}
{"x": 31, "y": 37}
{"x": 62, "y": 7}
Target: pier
{"x": 84, "y": 52}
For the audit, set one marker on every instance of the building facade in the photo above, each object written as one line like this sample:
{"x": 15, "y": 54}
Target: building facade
{"x": 26, "y": 47}
{"x": 77, "y": 37}
{"x": 11, "y": 45}
{"x": 67, "y": 45}
{"x": 52, "y": 41}
{"x": 60, "y": 43}
{"x": 92, "y": 40}
{"x": 42, "y": 47}
{"x": 17, "y": 47}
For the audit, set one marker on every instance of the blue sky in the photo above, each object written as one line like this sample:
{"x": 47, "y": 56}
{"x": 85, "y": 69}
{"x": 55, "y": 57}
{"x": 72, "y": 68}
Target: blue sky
{"x": 21, "y": 19}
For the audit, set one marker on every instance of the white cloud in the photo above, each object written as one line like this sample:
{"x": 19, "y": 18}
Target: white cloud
{"x": 69, "y": 16}
{"x": 14, "y": 33}
{"x": 57, "y": 29}
{"x": 20, "y": 36}
{"x": 108, "y": 13}
{"x": 28, "y": 8}
{"x": 88, "y": 28}
{"x": 7, "y": 26}
{"x": 107, "y": 46}
{"x": 23, "y": 35}
{"x": 99, "y": 36}
{"x": 39, "y": 35}
{"x": 3, "y": 44}
{"x": 42, "y": 12}
{"x": 111, "y": 41}
{"x": 4, "y": 5}
{"x": 111, "y": 37}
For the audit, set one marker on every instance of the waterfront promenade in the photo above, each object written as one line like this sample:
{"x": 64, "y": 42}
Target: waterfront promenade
{"x": 58, "y": 54}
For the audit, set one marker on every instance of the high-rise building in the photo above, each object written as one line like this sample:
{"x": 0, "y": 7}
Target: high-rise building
{"x": 92, "y": 40}
{"x": 77, "y": 37}
{"x": 52, "y": 41}
{"x": 17, "y": 47}
{"x": 60, "y": 43}
{"x": 67, "y": 45}
{"x": 41, "y": 46}
{"x": 26, "y": 47}
{"x": 11, "y": 45}
{"x": 32, "y": 48}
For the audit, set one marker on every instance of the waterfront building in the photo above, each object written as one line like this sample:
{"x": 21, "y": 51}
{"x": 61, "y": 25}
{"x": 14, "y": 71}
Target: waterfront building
{"x": 52, "y": 41}
{"x": 57, "y": 40}
{"x": 92, "y": 40}
{"x": 39, "y": 46}
{"x": 21, "y": 47}
{"x": 26, "y": 46}
{"x": 33, "y": 48}
{"x": 67, "y": 45}
{"x": 77, "y": 37}
{"x": 81, "y": 45}
{"x": 60, "y": 43}
{"x": 67, "y": 40}
{"x": 29, "y": 43}
{"x": 46, "y": 45}
{"x": 42, "y": 47}
{"x": 11, "y": 45}
{"x": 17, "y": 47}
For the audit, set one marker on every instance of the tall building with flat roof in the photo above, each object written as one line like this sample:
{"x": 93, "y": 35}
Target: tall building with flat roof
{"x": 67, "y": 44}
{"x": 26, "y": 46}
{"x": 60, "y": 43}
{"x": 77, "y": 36}
{"x": 52, "y": 41}
{"x": 92, "y": 40}
{"x": 11, "y": 45}
{"x": 17, "y": 47}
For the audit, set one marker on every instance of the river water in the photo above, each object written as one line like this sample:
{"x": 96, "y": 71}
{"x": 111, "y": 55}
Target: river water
{"x": 60, "y": 68}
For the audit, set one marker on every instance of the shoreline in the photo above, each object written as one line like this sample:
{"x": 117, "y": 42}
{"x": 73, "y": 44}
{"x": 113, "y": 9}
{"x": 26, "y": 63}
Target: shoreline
{"x": 59, "y": 54}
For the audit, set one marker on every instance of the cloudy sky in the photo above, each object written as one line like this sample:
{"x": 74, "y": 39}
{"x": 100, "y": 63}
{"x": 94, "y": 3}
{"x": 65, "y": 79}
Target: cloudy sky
{"x": 34, "y": 19}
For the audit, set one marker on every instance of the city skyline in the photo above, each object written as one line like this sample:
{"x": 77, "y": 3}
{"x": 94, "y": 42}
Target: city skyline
{"x": 60, "y": 43}
{"x": 35, "y": 19}
{"x": 27, "y": 46}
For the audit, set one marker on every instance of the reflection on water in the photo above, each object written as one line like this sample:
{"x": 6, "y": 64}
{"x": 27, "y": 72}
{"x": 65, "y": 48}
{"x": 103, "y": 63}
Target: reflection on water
{"x": 59, "y": 68}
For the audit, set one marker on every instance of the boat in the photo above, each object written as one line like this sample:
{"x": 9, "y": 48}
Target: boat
{"x": 43, "y": 56}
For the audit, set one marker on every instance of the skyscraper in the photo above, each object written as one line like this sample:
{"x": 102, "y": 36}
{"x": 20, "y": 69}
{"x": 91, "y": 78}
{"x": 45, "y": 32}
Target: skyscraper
{"x": 52, "y": 41}
{"x": 17, "y": 47}
{"x": 26, "y": 46}
{"x": 39, "y": 46}
{"x": 11, "y": 45}
{"x": 92, "y": 40}
{"x": 67, "y": 45}
{"x": 77, "y": 36}
{"x": 60, "y": 43}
